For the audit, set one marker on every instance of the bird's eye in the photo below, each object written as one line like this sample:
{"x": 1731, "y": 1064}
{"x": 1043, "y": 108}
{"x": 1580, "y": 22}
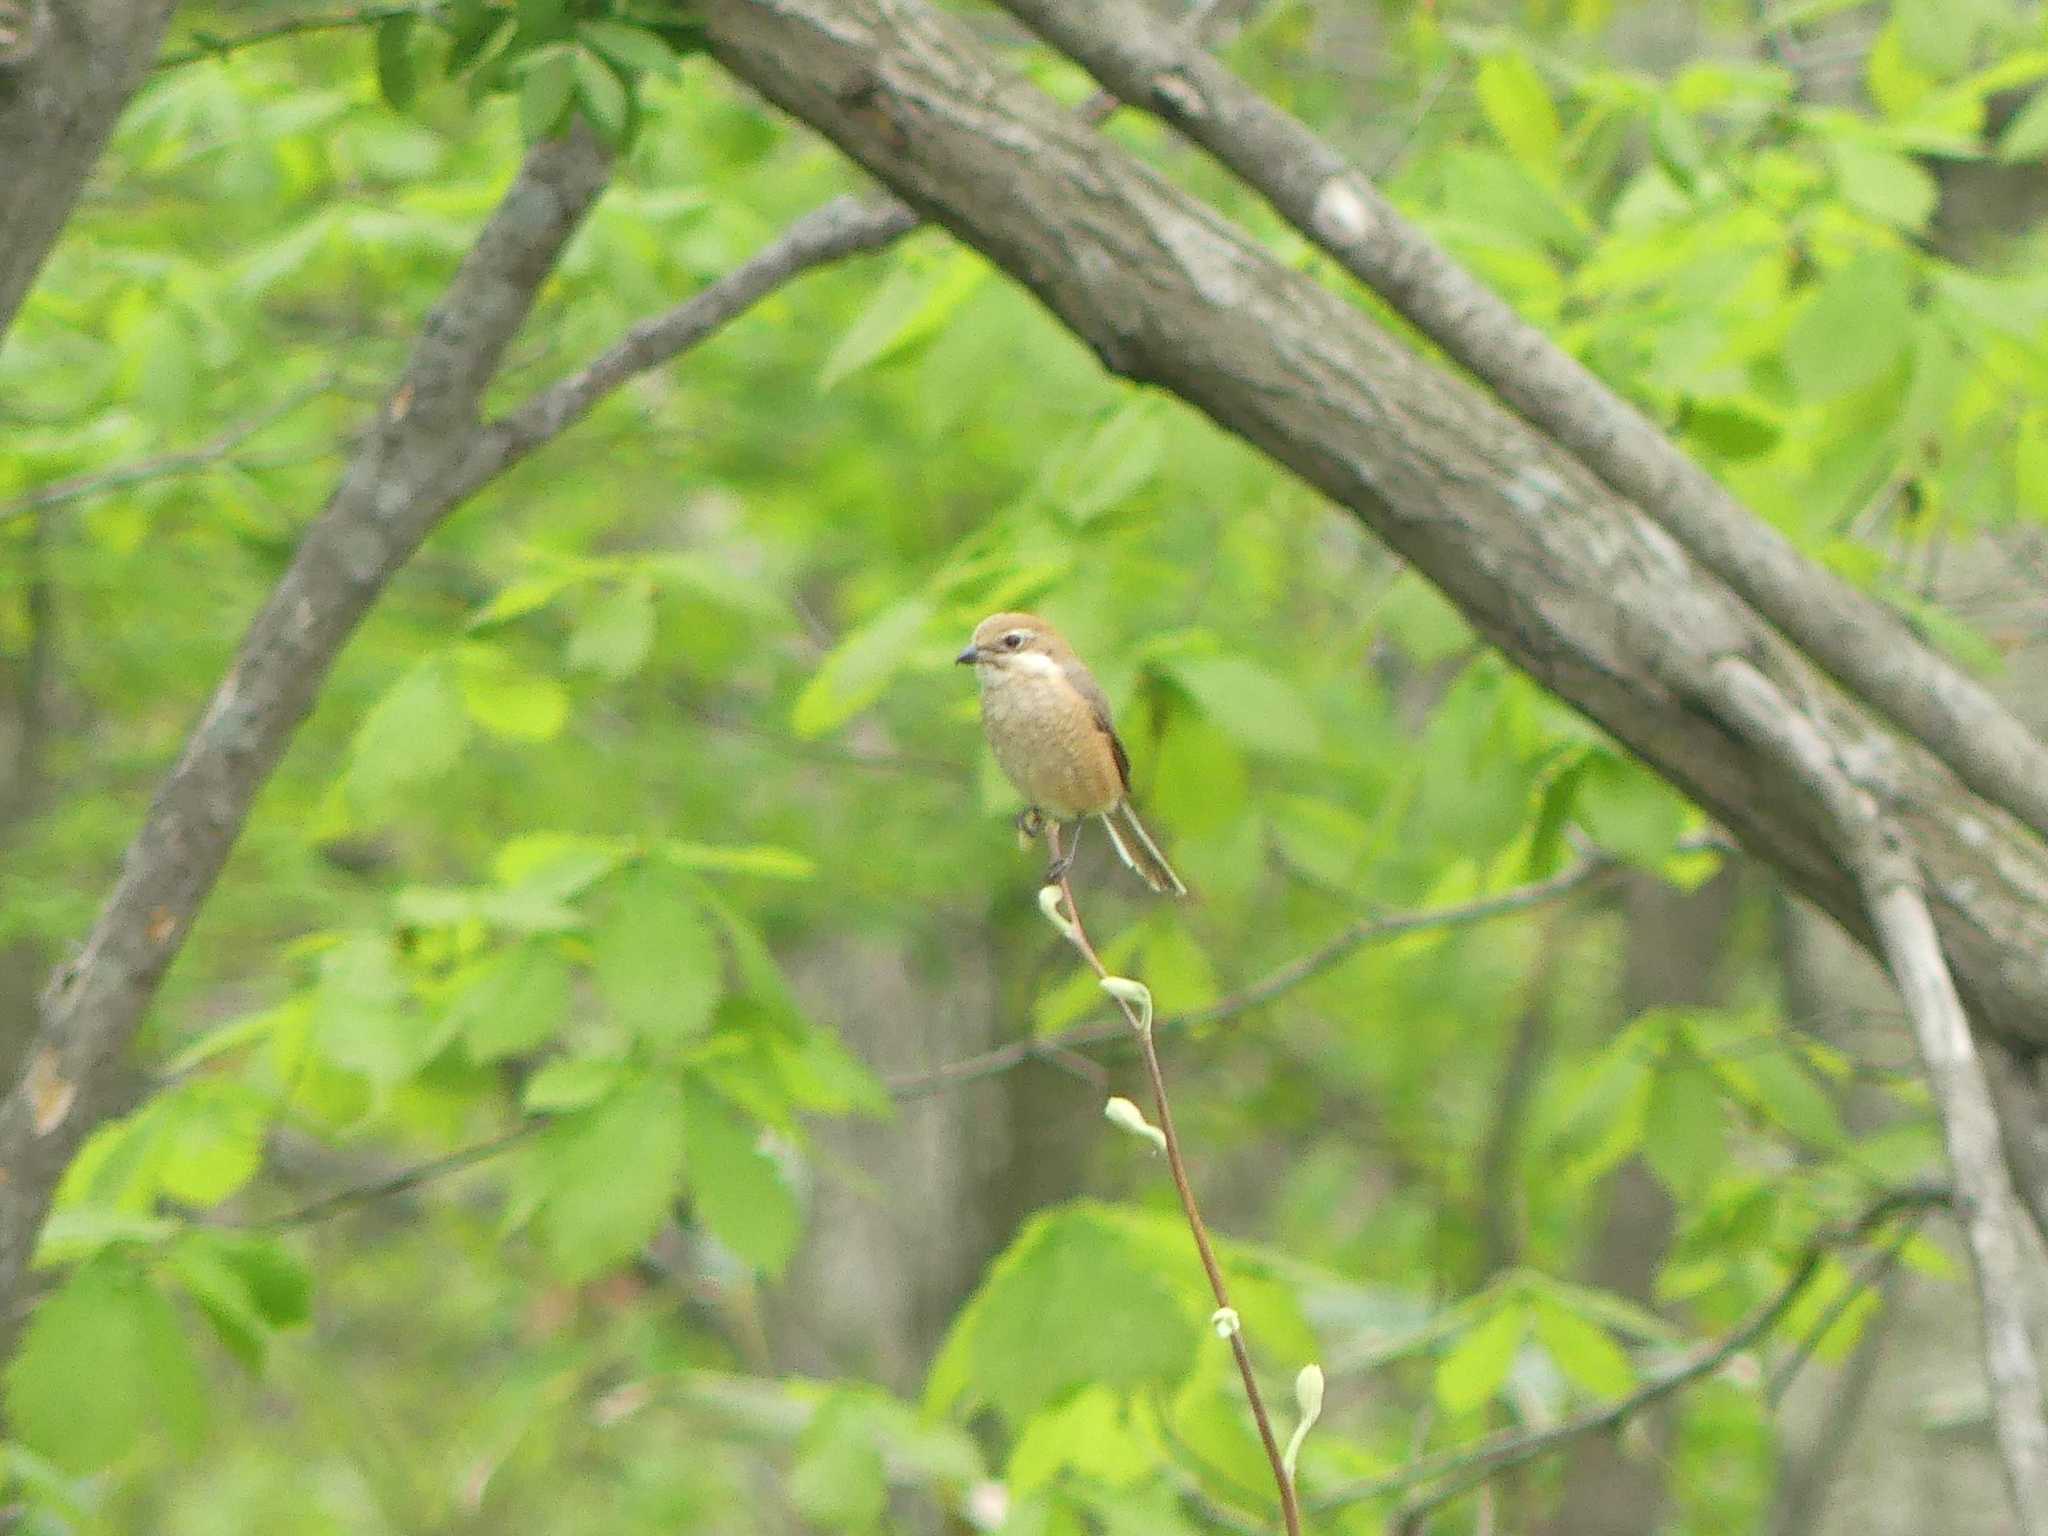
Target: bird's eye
{"x": 1012, "y": 640}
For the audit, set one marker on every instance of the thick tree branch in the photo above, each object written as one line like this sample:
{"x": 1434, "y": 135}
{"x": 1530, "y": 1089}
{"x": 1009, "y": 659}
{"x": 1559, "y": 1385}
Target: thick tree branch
{"x": 1331, "y": 202}
{"x": 397, "y": 487}
{"x": 76, "y": 67}
{"x": 1569, "y": 581}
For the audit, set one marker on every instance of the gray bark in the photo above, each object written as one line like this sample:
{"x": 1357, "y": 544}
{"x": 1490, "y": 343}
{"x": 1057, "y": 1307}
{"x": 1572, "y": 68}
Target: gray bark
{"x": 1849, "y": 635}
{"x": 401, "y": 481}
{"x": 74, "y": 67}
{"x": 1569, "y": 580}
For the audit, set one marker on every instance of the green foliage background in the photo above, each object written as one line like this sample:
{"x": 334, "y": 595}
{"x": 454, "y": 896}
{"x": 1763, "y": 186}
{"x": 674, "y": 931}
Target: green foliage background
{"x": 673, "y": 700}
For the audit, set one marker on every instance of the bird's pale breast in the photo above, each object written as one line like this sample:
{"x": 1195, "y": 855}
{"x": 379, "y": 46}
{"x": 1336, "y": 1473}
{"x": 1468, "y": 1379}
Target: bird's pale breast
{"x": 1047, "y": 743}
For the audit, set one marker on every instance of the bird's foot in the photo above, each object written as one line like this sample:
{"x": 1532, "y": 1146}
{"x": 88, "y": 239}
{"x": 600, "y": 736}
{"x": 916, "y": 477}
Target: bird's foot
{"x": 1057, "y": 870}
{"x": 1030, "y": 822}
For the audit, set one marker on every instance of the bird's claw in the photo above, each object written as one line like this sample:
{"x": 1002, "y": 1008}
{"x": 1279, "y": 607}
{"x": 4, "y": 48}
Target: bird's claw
{"x": 1030, "y": 822}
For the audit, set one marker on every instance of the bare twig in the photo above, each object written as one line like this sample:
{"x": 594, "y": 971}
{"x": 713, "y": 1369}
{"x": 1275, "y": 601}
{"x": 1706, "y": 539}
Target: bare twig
{"x": 1453, "y": 1472}
{"x": 1332, "y": 203}
{"x": 1873, "y": 848}
{"x": 160, "y": 466}
{"x": 1290, "y": 1512}
{"x": 1367, "y": 931}
{"x": 397, "y": 1182}
{"x": 212, "y": 46}
{"x": 1873, "y": 1273}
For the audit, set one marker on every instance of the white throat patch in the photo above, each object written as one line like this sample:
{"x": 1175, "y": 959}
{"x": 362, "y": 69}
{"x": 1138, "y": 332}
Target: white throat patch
{"x": 1034, "y": 663}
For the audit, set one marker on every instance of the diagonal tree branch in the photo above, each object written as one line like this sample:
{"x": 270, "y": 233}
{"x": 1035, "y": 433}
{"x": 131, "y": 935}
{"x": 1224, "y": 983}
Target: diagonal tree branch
{"x": 399, "y": 484}
{"x": 1569, "y": 581}
{"x": 1985, "y": 1199}
{"x": 64, "y": 80}
{"x": 1851, "y": 636}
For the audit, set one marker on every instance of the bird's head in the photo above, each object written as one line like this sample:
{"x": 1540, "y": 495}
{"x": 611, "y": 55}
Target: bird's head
{"x": 1013, "y": 642}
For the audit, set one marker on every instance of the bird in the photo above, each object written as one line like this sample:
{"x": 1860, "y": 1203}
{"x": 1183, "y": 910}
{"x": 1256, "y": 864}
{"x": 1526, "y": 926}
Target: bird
{"x": 1048, "y": 722}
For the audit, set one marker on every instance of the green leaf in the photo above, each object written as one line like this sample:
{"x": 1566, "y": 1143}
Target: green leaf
{"x": 767, "y": 862}
{"x": 544, "y": 94}
{"x": 510, "y": 1003}
{"x": 1683, "y": 1141}
{"x": 1106, "y": 464}
{"x": 1582, "y": 1350}
{"x": 417, "y": 730}
{"x": 1257, "y": 707}
{"x": 2026, "y": 136}
{"x": 1885, "y": 185}
{"x": 1325, "y": 841}
{"x": 1178, "y": 969}
{"x": 278, "y": 1283}
{"x": 509, "y": 701}
{"x": 103, "y": 1363}
{"x": 1734, "y": 429}
{"x": 1421, "y": 620}
{"x": 1518, "y": 109}
{"x": 657, "y": 961}
{"x": 219, "y": 1292}
{"x": 1075, "y": 1301}
{"x": 1087, "y": 1435}
{"x": 1853, "y": 330}
{"x": 1478, "y": 1367}
{"x": 358, "y": 1013}
{"x": 838, "y": 1477}
{"x": 633, "y": 50}
{"x": 396, "y": 76}
{"x": 604, "y": 96}
{"x": 616, "y": 632}
{"x": 860, "y": 667}
{"x": 610, "y": 1176}
{"x": 557, "y": 865}
{"x": 1793, "y": 1101}
{"x": 570, "y": 1082}
{"x": 737, "y": 1189}
{"x": 919, "y": 295}
{"x": 1629, "y": 811}
{"x": 517, "y": 599}
{"x": 821, "y": 1074}
{"x": 208, "y": 1140}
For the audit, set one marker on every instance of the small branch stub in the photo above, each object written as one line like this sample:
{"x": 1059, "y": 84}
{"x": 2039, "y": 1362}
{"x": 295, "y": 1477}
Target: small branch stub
{"x": 1126, "y": 1116}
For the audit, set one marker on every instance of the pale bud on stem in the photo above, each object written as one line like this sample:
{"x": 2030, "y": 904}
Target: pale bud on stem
{"x": 1126, "y": 1116}
{"x": 1134, "y": 994}
{"x": 1308, "y": 1397}
{"x": 1226, "y": 1322}
{"x": 1049, "y": 904}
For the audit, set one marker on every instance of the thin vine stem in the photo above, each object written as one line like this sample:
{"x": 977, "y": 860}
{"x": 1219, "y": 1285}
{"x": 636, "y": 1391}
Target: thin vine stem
{"x": 1290, "y": 1508}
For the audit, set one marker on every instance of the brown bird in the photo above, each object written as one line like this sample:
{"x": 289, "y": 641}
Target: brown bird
{"x": 1048, "y": 721}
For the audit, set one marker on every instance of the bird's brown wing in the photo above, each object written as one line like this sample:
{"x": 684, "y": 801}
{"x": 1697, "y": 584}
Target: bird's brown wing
{"x": 1084, "y": 684}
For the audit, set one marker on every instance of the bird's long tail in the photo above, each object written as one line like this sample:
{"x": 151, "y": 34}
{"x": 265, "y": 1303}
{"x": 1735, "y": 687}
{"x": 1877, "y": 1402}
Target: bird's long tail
{"x": 1135, "y": 847}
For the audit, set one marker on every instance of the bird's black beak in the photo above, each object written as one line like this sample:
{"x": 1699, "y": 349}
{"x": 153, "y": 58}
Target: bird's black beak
{"x": 968, "y": 657}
